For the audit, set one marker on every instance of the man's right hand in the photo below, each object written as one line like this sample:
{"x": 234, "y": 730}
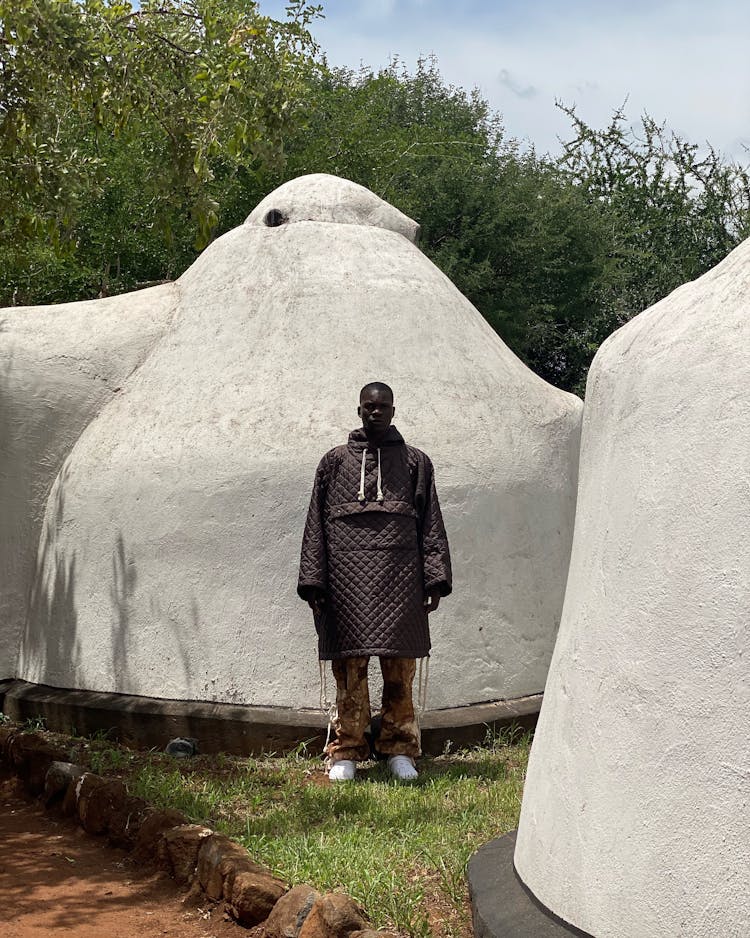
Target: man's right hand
{"x": 317, "y": 603}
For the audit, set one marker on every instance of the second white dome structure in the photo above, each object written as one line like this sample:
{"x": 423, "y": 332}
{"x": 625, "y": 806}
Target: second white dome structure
{"x": 181, "y": 507}
{"x": 636, "y": 813}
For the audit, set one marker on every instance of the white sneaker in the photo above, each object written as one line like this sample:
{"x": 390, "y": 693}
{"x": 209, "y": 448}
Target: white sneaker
{"x": 342, "y": 771}
{"x": 402, "y": 768}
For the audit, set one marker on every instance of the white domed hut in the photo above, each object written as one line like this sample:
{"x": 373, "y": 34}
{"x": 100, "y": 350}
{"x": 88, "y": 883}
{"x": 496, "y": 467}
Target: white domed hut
{"x": 166, "y": 564}
{"x": 636, "y": 812}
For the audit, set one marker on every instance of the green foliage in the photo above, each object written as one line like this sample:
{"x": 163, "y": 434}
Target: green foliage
{"x": 112, "y": 120}
{"x": 671, "y": 211}
{"x": 107, "y": 759}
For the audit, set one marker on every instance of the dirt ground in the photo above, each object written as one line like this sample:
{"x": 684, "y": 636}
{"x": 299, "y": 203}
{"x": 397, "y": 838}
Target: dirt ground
{"x": 55, "y": 879}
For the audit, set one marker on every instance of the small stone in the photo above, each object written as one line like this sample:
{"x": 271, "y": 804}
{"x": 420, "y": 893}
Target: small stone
{"x": 254, "y": 894}
{"x": 288, "y": 915}
{"x": 31, "y": 755}
{"x": 19, "y": 745}
{"x": 97, "y": 809}
{"x": 333, "y": 916}
{"x": 219, "y": 861}
{"x": 6, "y": 735}
{"x": 80, "y": 788}
{"x": 125, "y": 823}
{"x": 178, "y": 848}
{"x": 151, "y": 828}
{"x": 59, "y": 776}
{"x": 371, "y": 933}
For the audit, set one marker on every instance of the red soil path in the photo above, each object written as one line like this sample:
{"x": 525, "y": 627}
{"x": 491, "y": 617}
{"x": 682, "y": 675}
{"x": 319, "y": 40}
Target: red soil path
{"x": 55, "y": 879}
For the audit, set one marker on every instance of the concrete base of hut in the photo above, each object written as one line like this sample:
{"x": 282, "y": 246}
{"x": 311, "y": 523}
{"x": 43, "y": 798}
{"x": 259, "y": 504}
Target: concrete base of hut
{"x": 145, "y": 722}
{"x": 502, "y": 907}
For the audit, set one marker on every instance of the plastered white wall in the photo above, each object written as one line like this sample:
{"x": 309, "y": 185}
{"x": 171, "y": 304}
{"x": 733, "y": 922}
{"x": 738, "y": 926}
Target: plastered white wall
{"x": 59, "y": 365}
{"x": 635, "y": 818}
{"x": 175, "y": 528}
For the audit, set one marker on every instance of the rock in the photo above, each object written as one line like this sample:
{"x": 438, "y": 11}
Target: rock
{"x": 82, "y": 787}
{"x": 59, "y": 776}
{"x": 125, "y": 822}
{"x": 371, "y": 933}
{"x": 219, "y": 861}
{"x": 19, "y": 746}
{"x": 153, "y": 824}
{"x": 37, "y": 766}
{"x": 289, "y": 913}
{"x": 178, "y": 847}
{"x": 31, "y": 756}
{"x": 333, "y": 916}
{"x": 6, "y": 735}
{"x": 97, "y": 809}
{"x": 253, "y": 896}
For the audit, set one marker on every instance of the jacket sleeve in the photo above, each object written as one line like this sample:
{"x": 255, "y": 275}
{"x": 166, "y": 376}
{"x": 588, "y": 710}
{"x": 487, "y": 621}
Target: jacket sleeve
{"x": 313, "y": 567}
{"x": 436, "y": 556}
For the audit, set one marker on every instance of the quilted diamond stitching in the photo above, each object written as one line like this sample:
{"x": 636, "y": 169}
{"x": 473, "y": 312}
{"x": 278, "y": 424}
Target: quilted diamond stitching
{"x": 369, "y": 562}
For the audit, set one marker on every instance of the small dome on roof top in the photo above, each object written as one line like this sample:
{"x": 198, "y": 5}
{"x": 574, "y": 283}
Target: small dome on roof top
{"x": 324, "y": 198}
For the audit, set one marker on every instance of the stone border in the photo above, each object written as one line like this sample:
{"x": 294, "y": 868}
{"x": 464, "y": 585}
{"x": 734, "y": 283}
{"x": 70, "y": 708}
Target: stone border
{"x": 144, "y": 722}
{"x": 194, "y": 855}
{"x": 502, "y": 906}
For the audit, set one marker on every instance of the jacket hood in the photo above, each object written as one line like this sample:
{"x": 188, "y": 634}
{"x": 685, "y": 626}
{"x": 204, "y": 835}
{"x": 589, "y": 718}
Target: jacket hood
{"x": 358, "y": 439}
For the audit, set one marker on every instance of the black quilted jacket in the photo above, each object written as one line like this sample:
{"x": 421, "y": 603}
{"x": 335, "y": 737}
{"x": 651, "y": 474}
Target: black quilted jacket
{"x": 375, "y": 549}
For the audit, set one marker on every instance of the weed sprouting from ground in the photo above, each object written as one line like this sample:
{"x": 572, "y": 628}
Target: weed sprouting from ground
{"x": 37, "y": 722}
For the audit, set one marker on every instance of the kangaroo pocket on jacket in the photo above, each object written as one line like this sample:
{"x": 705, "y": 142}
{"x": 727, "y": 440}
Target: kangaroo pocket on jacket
{"x": 373, "y": 530}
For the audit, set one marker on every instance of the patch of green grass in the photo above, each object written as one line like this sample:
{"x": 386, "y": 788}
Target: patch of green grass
{"x": 108, "y": 759}
{"x": 399, "y": 850}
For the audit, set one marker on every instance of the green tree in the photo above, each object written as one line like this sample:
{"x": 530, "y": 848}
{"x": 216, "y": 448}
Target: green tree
{"x": 97, "y": 97}
{"x": 673, "y": 210}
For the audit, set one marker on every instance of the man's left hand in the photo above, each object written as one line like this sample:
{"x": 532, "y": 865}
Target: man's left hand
{"x": 432, "y": 601}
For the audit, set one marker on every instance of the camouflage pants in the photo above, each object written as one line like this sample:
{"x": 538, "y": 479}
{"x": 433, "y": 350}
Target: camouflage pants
{"x": 399, "y": 733}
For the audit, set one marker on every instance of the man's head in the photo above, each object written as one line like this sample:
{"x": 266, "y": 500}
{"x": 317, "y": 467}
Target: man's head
{"x": 376, "y": 408}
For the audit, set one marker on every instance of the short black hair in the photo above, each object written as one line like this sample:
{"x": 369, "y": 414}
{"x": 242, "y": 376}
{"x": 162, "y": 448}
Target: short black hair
{"x": 376, "y": 386}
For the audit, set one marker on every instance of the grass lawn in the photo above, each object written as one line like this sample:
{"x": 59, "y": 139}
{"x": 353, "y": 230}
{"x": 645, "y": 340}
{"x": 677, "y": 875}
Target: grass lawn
{"x": 399, "y": 850}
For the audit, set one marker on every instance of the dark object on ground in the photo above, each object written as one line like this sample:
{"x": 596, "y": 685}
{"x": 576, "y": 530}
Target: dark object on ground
{"x": 502, "y": 907}
{"x": 182, "y": 747}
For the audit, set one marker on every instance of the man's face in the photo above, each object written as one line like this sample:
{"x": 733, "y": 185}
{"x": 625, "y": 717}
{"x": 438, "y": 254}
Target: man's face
{"x": 376, "y": 410}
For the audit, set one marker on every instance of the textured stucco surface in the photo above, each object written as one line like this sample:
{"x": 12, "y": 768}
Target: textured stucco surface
{"x": 177, "y": 520}
{"x": 635, "y": 817}
{"x": 58, "y": 366}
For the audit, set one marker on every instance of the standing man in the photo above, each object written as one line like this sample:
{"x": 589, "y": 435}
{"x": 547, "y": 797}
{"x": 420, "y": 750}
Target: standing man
{"x": 375, "y": 562}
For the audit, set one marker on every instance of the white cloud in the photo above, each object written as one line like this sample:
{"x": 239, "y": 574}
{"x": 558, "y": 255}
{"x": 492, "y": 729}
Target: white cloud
{"x": 686, "y": 63}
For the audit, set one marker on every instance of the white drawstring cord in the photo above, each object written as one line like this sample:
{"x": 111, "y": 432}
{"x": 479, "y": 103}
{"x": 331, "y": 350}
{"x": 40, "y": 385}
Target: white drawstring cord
{"x": 325, "y": 705}
{"x": 361, "y": 492}
{"x": 422, "y": 686}
{"x": 421, "y": 697}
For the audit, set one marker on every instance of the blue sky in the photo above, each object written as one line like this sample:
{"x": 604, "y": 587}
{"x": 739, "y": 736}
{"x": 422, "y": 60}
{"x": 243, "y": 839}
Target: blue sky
{"x": 685, "y": 62}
